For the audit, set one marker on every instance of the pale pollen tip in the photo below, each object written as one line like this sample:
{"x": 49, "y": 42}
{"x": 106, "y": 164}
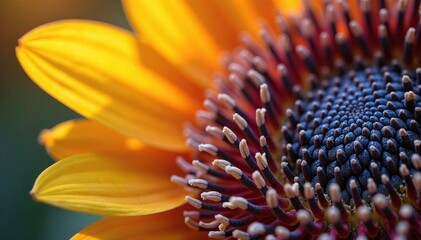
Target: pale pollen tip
{"x": 333, "y": 214}
{"x": 308, "y": 191}
{"x": 335, "y": 192}
{"x": 404, "y": 171}
{"x": 282, "y": 232}
{"x": 222, "y": 219}
{"x": 289, "y": 190}
{"x": 258, "y": 179}
{"x": 194, "y": 202}
{"x": 230, "y": 135}
{"x": 364, "y": 213}
{"x": 192, "y": 224}
{"x": 260, "y": 116}
{"x": 240, "y": 121}
{"x": 183, "y": 164}
{"x": 403, "y": 230}
{"x": 416, "y": 178}
{"x": 256, "y": 228}
{"x": 209, "y": 148}
{"x": 209, "y": 225}
{"x": 264, "y": 93}
{"x": 192, "y": 214}
{"x": 380, "y": 201}
{"x": 261, "y": 160}
{"x": 409, "y": 96}
{"x": 385, "y": 179}
{"x": 179, "y": 180}
{"x": 221, "y": 163}
{"x": 406, "y": 211}
{"x": 239, "y": 202}
{"x": 234, "y": 171}
{"x": 371, "y": 185}
{"x": 272, "y": 198}
{"x": 244, "y": 149}
{"x": 200, "y": 166}
{"x": 263, "y": 141}
{"x": 304, "y": 217}
{"x": 216, "y": 234}
{"x": 256, "y": 77}
{"x": 241, "y": 235}
{"x": 227, "y": 100}
{"x": 212, "y": 195}
{"x": 200, "y": 183}
{"x": 215, "y": 131}
{"x": 210, "y": 106}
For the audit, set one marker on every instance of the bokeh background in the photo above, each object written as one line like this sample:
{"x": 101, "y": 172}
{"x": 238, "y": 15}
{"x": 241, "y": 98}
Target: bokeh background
{"x": 25, "y": 110}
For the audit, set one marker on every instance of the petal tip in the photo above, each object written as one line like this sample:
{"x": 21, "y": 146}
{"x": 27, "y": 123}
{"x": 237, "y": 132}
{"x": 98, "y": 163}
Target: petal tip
{"x": 43, "y": 136}
{"x": 33, "y": 195}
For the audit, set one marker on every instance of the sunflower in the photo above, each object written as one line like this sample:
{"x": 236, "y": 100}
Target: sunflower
{"x": 311, "y": 127}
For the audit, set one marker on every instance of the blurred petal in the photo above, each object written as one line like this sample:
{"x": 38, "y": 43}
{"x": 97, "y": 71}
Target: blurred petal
{"x": 167, "y": 225}
{"x": 96, "y": 70}
{"x": 192, "y": 34}
{"x": 81, "y": 136}
{"x": 112, "y": 184}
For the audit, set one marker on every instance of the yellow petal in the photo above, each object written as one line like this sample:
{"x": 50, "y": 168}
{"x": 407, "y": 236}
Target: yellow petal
{"x": 192, "y": 34}
{"x": 81, "y": 136}
{"x": 112, "y": 184}
{"x": 96, "y": 70}
{"x": 167, "y": 225}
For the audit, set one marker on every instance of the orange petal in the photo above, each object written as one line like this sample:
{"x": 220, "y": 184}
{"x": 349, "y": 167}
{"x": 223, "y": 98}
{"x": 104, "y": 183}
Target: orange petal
{"x": 112, "y": 184}
{"x": 167, "y": 225}
{"x": 81, "y": 136}
{"x": 96, "y": 70}
{"x": 192, "y": 34}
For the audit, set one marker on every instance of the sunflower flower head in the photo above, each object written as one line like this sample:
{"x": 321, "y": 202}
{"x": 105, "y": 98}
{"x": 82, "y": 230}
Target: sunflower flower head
{"x": 311, "y": 130}
{"x": 316, "y": 132}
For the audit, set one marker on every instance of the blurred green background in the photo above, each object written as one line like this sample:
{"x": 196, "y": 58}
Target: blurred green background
{"x": 26, "y": 110}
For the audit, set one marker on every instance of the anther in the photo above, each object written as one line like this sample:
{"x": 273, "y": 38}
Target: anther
{"x": 230, "y": 135}
{"x": 358, "y": 34}
{"x": 364, "y": 214}
{"x": 410, "y": 100}
{"x": 215, "y": 131}
{"x": 288, "y": 218}
{"x": 384, "y": 209}
{"x": 355, "y": 194}
{"x": 307, "y": 58}
{"x": 334, "y": 217}
{"x": 258, "y": 180}
{"x": 292, "y": 192}
{"x": 191, "y": 224}
{"x": 194, "y": 202}
{"x": 216, "y": 234}
{"x": 241, "y": 235}
{"x": 179, "y": 180}
{"x": 321, "y": 196}
{"x": 256, "y": 77}
{"x": 309, "y": 195}
{"x": 335, "y": 195}
{"x": 220, "y": 163}
{"x": 394, "y": 196}
{"x": 411, "y": 192}
{"x": 199, "y": 183}
{"x": 212, "y": 196}
{"x": 209, "y": 148}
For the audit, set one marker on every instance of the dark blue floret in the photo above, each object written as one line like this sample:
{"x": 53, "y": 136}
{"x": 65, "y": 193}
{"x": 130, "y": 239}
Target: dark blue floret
{"x": 361, "y": 116}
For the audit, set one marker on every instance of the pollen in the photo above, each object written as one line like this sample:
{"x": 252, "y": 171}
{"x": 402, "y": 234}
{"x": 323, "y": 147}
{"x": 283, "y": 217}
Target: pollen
{"x": 316, "y": 133}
